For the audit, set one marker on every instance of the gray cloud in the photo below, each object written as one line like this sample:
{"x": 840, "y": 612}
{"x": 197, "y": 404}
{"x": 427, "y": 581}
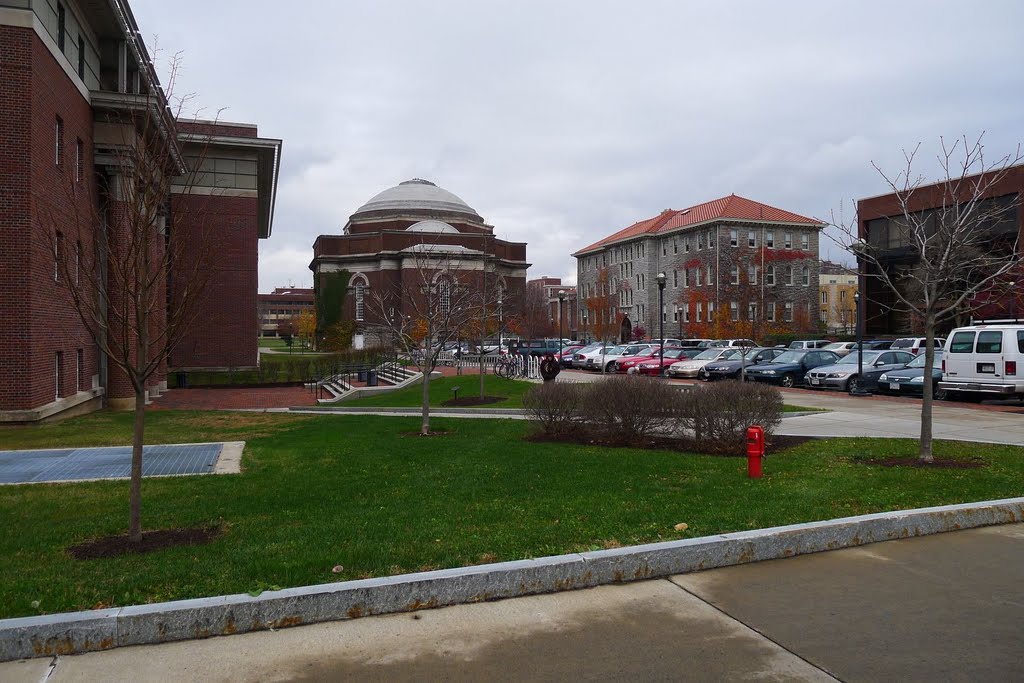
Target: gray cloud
{"x": 563, "y": 122}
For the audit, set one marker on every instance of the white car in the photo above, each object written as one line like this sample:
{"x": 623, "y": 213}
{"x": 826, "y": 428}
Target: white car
{"x": 625, "y": 351}
{"x": 733, "y": 342}
{"x": 692, "y": 368}
{"x": 841, "y": 348}
{"x": 915, "y": 344}
{"x": 593, "y": 359}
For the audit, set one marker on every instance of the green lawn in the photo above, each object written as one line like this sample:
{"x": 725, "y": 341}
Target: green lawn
{"x": 320, "y": 491}
{"x": 441, "y": 391}
{"x": 277, "y": 343}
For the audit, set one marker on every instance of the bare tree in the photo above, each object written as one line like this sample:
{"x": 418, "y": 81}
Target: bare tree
{"x": 948, "y": 243}
{"x": 440, "y": 298}
{"x": 118, "y": 259}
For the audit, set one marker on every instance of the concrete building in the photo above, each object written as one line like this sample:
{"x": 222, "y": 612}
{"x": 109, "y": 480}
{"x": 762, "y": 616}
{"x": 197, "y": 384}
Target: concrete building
{"x": 78, "y": 94}
{"x": 409, "y": 236}
{"x": 556, "y": 309}
{"x": 731, "y": 265}
{"x": 879, "y": 221}
{"x": 284, "y": 303}
{"x": 837, "y": 309}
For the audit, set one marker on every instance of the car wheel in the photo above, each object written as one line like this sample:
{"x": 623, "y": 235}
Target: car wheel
{"x": 939, "y": 394}
{"x": 702, "y": 374}
{"x": 788, "y": 380}
{"x": 610, "y": 367}
{"x": 855, "y": 385}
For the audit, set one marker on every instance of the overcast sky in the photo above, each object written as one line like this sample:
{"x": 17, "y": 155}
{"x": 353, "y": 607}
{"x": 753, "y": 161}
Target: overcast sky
{"x": 561, "y": 122}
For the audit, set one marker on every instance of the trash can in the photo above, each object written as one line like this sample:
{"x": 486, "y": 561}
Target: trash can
{"x": 181, "y": 379}
{"x": 371, "y": 378}
{"x": 361, "y": 375}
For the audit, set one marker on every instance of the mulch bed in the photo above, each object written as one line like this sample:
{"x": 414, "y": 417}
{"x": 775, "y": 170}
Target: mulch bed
{"x": 441, "y": 431}
{"x": 914, "y": 462}
{"x": 470, "y": 401}
{"x": 114, "y": 546}
{"x": 775, "y": 445}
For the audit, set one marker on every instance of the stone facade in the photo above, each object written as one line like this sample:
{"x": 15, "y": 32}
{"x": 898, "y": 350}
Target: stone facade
{"x": 733, "y": 267}
{"x": 837, "y": 308}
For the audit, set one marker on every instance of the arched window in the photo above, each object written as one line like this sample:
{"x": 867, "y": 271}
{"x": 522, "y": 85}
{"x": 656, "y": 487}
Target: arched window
{"x": 359, "y": 285}
{"x": 444, "y": 297}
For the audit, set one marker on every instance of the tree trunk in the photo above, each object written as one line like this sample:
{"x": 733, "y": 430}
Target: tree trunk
{"x": 425, "y": 426}
{"x": 925, "y": 452}
{"x": 135, "y": 485}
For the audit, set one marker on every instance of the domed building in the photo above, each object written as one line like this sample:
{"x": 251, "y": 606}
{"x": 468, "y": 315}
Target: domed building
{"x": 407, "y": 234}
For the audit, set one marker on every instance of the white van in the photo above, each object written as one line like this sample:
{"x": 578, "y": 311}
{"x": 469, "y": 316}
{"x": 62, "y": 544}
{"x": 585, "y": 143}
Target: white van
{"x": 984, "y": 361}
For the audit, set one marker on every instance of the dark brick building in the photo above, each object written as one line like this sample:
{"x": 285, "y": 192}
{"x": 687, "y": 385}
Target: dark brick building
{"x": 733, "y": 266}
{"x": 74, "y": 79}
{"x": 558, "y": 310}
{"x": 284, "y": 303}
{"x": 398, "y": 237}
{"x": 878, "y": 224}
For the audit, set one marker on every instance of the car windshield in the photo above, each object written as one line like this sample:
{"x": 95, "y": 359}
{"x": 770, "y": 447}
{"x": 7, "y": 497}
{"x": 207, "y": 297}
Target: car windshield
{"x": 673, "y": 353}
{"x": 789, "y": 357}
{"x": 836, "y": 345}
{"x": 902, "y": 344}
{"x": 587, "y": 349}
{"x": 869, "y": 357}
{"x": 919, "y": 361}
{"x": 731, "y": 352}
{"x": 709, "y": 354}
{"x": 750, "y": 352}
{"x": 796, "y": 345}
{"x": 614, "y": 350}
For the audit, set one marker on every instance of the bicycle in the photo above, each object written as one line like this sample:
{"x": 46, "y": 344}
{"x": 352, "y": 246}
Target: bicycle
{"x": 511, "y": 367}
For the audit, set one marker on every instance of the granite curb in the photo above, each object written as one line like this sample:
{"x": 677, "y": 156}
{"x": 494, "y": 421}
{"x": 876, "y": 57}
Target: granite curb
{"x": 76, "y": 632}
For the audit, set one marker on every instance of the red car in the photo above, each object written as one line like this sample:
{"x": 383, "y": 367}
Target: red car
{"x": 654, "y": 364}
{"x": 565, "y": 358}
{"x": 624, "y": 364}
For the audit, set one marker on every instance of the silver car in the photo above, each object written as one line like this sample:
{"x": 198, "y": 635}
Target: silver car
{"x": 844, "y": 374}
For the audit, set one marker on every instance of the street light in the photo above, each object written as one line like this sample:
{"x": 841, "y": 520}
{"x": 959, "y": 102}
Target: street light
{"x": 661, "y": 279}
{"x": 561, "y": 302}
{"x": 858, "y": 389}
{"x": 500, "y": 325}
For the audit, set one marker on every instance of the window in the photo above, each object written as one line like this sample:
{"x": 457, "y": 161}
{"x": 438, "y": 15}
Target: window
{"x": 751, "y": 238}
{"x": 752, "y": 311}
{"x": 686, "y": 245}
{"x": 81, "y": 58}
{"x": 79, "y": 370}
{"x": 805, "y": 276}
{"x": 711, "y": 238}
{"x": 664, "y": 317}
{"x": 1020, "y": 340}
{"x": 360, "y": 305}
{"x": 788, "y": 240}
{"x": 61, "y": 26}
{"x": 734, "y": 274}
{"x": 664, "y": 248}
{"x": 675, "y": 245}
{"x": 675, "y": 278}
{"x": 711, "y": 276}
{"x": 58, "y": 373}
{"x": 686, "y": 277}
{"x": 842, "y": 295}
{"x": 805, "y": 242}
{"x": 752, "y": 275}
{"x": 734, "y": 311}
{"x": 699, "y": 271}
{"x": 78, "y": 259}
{"x": 444, "y": 297}
{"x": 79, "y": 154}
{"x": 789, "y": 275}
{"x": 734, "y": 238}
{"x": 675, "y": 314}
{"x": 770, "y": 312}
{"x": 769, "y": 276}
{"x": 824, "y": 316}
{"x": 824, "y": 296}
{"x": 787, "y": 312}
{"x": 711, "y": 311}
{"x": 700, "y": 311}
{"x": 990, "y": 341}
{"x": 58, "y": 142}
{"x": 700, "y": 241}
{"x": 58, "y": 255}
{"x": 686, "y": 315}
{"x": 769, "y": 239}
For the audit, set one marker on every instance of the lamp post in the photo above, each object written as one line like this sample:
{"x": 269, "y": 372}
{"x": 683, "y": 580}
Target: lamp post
{"x": 661, "y": 322}
{"x": 561, "y": 302}
{"x": 500, "y": 325}
{"x": 858, "y": 390}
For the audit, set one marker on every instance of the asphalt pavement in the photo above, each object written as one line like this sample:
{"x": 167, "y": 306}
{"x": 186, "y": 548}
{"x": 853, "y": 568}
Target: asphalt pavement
{"x": 944, "y": 607}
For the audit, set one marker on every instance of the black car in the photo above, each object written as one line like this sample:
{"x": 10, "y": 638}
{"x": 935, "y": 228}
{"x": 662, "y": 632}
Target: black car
{"x": 788, "y": 368}
{"x": 731, "y": 369}
{"x": 910, "y": 380}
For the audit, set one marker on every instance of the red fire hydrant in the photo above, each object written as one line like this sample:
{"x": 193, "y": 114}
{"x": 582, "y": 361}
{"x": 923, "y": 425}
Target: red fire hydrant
{"x": 755, "y": 451}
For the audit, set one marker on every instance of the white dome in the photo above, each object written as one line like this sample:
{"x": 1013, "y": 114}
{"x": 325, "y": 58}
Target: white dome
{"x": 417, "y": 196}
{"x": 431, "y": 226}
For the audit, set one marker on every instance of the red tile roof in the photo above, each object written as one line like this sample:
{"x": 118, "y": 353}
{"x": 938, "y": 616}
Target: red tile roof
{"x": 733, "y": 206}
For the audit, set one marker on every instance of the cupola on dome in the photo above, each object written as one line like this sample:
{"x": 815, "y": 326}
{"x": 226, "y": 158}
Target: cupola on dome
{"x": 417, "y": 197}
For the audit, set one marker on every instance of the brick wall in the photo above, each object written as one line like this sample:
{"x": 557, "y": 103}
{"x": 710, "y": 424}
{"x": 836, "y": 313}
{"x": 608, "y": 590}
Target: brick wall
{"x": 222, "y": 235}
{"x": 39, "y": 198}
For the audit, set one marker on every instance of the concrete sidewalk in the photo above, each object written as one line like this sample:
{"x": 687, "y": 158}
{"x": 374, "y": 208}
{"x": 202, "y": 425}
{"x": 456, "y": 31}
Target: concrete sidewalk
{"x": 942, "y": 607}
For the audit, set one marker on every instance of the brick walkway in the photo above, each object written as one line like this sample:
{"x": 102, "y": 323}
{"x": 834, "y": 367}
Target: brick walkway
{"x": 234, "y": 397}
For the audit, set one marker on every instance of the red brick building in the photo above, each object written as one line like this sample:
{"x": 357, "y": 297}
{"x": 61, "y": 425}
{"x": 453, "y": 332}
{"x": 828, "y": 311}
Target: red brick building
{"x": 392, "y": 241}
{"x": 75, "y": 78}
{"x": 558, "y": 310}
{"x": 283, "y": 303}
{"x": 878, "y": 224}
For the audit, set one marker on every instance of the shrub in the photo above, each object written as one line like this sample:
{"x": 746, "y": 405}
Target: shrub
{"x": 555, "y": 407}
{"x": 718, "y": 414}
{"x": 625, "y": 408}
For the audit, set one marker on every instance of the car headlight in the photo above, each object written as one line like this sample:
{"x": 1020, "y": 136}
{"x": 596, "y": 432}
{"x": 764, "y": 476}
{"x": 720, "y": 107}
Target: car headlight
{"x": 838, "y": 375}
{"x": 883, "y": 378}
{"x": 768, "y": 372}
{"x": 918, "y": 380}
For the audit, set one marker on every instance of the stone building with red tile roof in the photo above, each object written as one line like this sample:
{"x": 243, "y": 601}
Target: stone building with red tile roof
{"x": 731, "y": 260}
